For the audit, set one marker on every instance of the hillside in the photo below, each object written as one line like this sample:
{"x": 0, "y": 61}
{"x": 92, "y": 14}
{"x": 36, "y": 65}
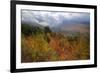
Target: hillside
{"x": 41, "y": 44}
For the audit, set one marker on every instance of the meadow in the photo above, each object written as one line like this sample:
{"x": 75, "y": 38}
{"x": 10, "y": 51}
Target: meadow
{"x": 42, "y": 44}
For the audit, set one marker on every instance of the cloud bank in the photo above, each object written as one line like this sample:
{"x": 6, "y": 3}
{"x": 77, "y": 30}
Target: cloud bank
{"x": 52, "y": 19}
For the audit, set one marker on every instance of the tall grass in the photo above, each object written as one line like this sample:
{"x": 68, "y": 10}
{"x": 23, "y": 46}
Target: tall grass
{"x": 41, "y": 44}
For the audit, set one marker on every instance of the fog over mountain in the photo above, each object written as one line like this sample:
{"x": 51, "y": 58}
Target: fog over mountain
{"x": 62, "y": 20}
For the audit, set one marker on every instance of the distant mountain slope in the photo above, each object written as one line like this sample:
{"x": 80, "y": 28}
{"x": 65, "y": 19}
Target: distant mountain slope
{"x": 82, "y": 28}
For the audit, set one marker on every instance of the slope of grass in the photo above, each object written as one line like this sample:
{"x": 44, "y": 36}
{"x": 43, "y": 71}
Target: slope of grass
{"x": 41, "y": 44}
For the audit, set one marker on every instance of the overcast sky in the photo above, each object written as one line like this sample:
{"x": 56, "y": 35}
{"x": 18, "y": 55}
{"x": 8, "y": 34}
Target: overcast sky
{"x": 50, "y": 18}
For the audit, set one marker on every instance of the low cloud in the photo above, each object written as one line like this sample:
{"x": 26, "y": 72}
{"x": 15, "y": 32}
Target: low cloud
{"x": 47, "y": 18}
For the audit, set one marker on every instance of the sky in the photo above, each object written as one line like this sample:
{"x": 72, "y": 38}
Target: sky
{"x": 54, "y": 18}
